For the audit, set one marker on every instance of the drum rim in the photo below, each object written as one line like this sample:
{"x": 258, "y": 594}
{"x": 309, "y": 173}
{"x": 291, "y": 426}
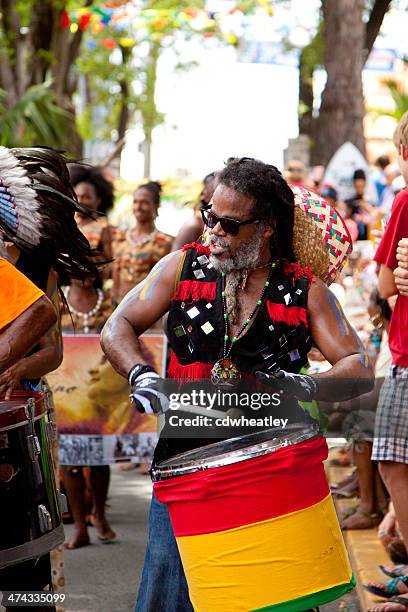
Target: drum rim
{"x": 16, "y": 416}
{"x": 165, "y": 472}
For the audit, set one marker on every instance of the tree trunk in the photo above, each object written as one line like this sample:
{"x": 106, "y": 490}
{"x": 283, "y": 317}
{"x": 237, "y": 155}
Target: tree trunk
{"x": 374, "y": 24}
{"x": 342, "y": 109}
{"x": 306, "y": 98}
{"x": 147, "y": 156}
{"x": 65, "y": 48}
{"x": 124, "y": 97}
{"x": 149, "y": 109}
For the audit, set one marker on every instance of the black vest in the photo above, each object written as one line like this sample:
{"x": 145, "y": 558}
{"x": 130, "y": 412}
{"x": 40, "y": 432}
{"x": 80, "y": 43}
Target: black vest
{"x": 195, "y": 323}
{"x": 195, "y": 328}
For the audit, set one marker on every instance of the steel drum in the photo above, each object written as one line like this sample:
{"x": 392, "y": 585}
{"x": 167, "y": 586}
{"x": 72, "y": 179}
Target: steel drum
{"x": 255, "y": 523}
{"x": 30, "y": 516}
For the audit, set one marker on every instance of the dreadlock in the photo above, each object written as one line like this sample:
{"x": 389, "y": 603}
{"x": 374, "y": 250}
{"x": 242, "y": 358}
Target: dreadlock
{"x": 82, "y": 173}
{"x": 274, "y": 200}
{"x": 37, "y": 210}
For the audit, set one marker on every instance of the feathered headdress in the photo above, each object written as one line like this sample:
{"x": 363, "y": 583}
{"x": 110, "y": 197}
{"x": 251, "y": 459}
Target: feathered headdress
{"x": 37, "y": 210}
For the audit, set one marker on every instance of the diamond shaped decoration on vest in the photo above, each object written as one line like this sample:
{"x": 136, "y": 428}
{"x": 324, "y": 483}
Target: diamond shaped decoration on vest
{"x": 179, "y": 331}
{"x": 199, "y": 274}
{"x": 207, "y": 328}
{"x": 283, "y": 340}
{"x": 202, "y": 260}
{"x": 193, "y": 312}
{"x": 294, "y": 355}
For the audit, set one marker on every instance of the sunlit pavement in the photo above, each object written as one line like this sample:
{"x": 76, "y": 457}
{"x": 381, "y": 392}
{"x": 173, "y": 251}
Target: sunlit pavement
{"x": 105, "y": 577}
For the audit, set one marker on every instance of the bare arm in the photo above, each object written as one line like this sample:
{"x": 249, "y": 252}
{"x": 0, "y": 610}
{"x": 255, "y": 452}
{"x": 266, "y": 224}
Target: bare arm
{"x": 106, "y": 242}
{"x": 386, "y": 282}
{"x": 137, "y": 312}
{"x": 189, "y": 232}
{"x": 43, "y": 361}
{"x": 25, "y": 331}
{"x": 352, "y": 373}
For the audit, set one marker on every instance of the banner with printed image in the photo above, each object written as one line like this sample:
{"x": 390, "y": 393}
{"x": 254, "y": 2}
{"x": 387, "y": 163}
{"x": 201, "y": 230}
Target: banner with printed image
{"x": 96, "y": 421}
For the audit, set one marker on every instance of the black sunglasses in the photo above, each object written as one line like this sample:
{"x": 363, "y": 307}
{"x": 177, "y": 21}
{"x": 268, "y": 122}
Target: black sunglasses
{"x": 230, "y": 226}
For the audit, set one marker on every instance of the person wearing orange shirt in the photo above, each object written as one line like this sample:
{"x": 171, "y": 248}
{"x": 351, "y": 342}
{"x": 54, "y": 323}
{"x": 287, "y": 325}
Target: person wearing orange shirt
{"x": 25, "y": 315}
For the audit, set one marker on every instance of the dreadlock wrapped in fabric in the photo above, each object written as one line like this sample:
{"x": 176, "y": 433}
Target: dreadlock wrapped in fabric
{"x": 37, "y": 210}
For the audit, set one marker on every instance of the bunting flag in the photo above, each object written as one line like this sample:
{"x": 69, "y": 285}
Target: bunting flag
{"x": 260, "y": 535}
{"x": 115, "y": 13}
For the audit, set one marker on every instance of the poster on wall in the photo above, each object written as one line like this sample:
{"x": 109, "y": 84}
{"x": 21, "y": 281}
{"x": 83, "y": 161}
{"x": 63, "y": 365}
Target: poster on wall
{"x": 96, "y": 421}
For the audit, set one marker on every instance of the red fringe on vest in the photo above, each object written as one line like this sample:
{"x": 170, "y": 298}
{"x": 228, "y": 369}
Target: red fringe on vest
{"x": 195, "y": 290}
{"x": 295, "y": 270}
{"x": 291, "y": 315}
{"x": 201, "y": 249}
{"x": 194, "y": 371}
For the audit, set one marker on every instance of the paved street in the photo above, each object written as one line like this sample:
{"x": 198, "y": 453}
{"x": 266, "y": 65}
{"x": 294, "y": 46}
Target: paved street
{"x": 104, "y": 577}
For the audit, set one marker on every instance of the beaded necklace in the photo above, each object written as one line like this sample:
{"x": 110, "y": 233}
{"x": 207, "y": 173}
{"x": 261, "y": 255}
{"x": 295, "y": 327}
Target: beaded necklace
{"x": 225, "y": 371}
{"x": 86, "y": 315}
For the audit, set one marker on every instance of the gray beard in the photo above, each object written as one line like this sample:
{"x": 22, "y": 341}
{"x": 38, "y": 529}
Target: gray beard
{"x": 246, "y": 258}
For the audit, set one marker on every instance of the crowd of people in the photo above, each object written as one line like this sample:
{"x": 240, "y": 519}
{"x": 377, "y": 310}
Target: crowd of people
{"x": 368, "y": 207}
{"x": 94, "y": 286}
{"x": 375, "y": 423}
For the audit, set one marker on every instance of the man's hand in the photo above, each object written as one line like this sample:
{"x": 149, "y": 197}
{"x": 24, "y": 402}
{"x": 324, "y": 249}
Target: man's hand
{"x": 10, "y": 380}
{"x": 401, "y": 272}
{"x": 402, "y": 252}
{"x": 300, "y": 386}
{"x": 145, "y": 393}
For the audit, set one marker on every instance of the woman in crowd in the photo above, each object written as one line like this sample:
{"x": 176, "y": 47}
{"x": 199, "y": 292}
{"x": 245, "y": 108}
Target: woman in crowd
{"x": 137, "y": 251}
{"x": 95, "y": 193}
{"x": 89, "y": 308}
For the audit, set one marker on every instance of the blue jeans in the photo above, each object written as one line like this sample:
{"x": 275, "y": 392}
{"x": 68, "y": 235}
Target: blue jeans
{"x": 163, "y": 587}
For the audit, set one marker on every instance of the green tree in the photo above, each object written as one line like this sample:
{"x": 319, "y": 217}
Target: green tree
{"x": 37, "y": 79}
{"x": 400, "y": 98}
{"x": 121, "y": 77}
{"x": 345, "y": 37}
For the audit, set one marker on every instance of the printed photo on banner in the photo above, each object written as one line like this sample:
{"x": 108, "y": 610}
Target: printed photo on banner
{"x": 96, "y": 420}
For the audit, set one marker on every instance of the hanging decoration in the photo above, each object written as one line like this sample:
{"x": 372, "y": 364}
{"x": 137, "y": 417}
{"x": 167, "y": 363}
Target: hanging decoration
{"x": 226, "y": 24}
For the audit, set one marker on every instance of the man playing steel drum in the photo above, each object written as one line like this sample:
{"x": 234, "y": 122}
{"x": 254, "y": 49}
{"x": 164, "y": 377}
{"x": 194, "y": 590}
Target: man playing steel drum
{"x": 242, "y": 306}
